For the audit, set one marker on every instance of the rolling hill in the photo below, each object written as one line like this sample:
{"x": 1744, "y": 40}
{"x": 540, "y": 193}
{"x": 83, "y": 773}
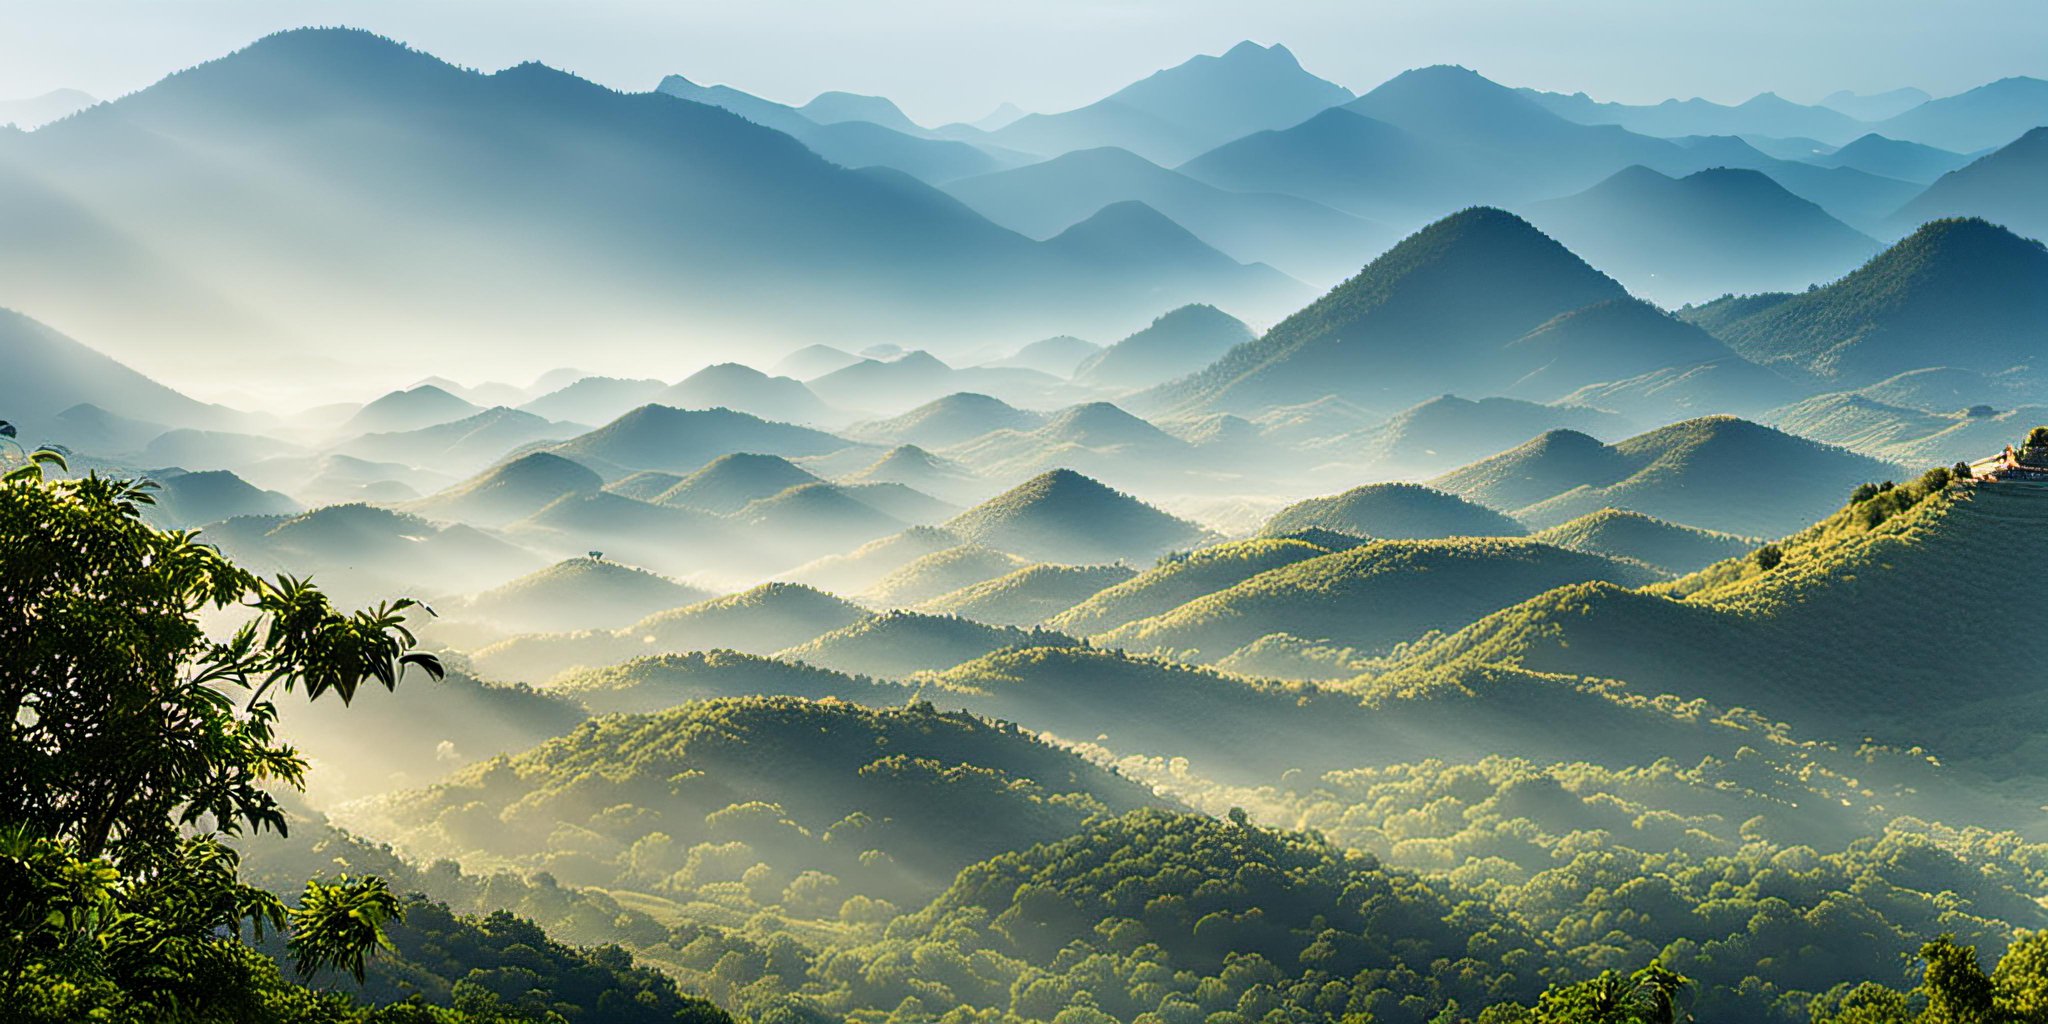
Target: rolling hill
{"x": 1449, "y": 430}
{"x": 48, "y": 373}
{"x": 460, "y": 446}
{"x": 1129, "y": 234}
{"x": 1434, "y": 311}
{"x": 1894, "y": 158}
{"x": 863, "y": 567}
{"x": 912, "y": 466}
{"x": 1631, "y": 535}
{"x": 1962, "y": 293}
{"x": 948, "y": 421}
{"x": 595, "y": 399}
{"x": 1717, "y": 473}
{"x": 1178, "y": 343}
{"x": 579, "y": 593}
{"x": 1690, "y": 239}
{"x": 733, "y": 386}
{"x": 195, "y": 499}
{"x": 939, "y": 573}
{"x": 1057, "y": 355}
{"x": 1062, "y": 516}
{"x": 681, "y": 440}
{"x": 900, "y": 644}
{"x": 1178, "y": 580}
{"x": 730, "y": 483}
{"x": 1394, "y": 511}
{"x": 511, "y": 491}
{"x": 1608, "y": 341}
{"x": 1028, "y": 596}
{"x": 423, "y": 406}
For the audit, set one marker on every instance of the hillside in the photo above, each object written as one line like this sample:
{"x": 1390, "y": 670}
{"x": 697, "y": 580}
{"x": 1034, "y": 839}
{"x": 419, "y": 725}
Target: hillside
{"x": 857, "y": 570}
{"x": 1986, "y": 117}
{"x": 747, "y": 390}
{"x": 889, "y": 804}
{"x": 1179, "y": 579}
{"x": 579, "y": 593}
{"x": 1704, "y": 235}
{"x": 1176, "y": 344}
{"x": 1411, "y": 325}
{"x": 1062, "y": 516}
{"x": 460, "y": 446}
{"x": 914, "y": 467}
{"x": 1057, "y": 355}
{"x": 1717, "y": 473}
{"x": 763, "y": 620}
{"x": 1607, "y": 341}
{"x": 664, "y": 681}
{"x": 680, "y": 441}
{"x": 1129, "y": 234}
{"x": 948, "y": 421}
{"x": 900, "y": 644}
{"x": 1449, "y": 430}
{"x": 595, "y": 399}
{"x": 195, "y": 499}
{"x": 939, "y": 573}
{"x": 1906, "y": 436}
{"x": 1369, "y": 598}
{"x": 512, "y": 491}
{"x": 1961, "y": 293}
{"x": 49, "y": 373}
{"x": 1894, "y": 158}
{"x": 2005, "y": 187}
{"x": 809, "y": 520}
{"x": 423, "y": 406}
{"x": 1394, "y": 511}
{"x": 1028, "y": 596}
{"x": 729, "y": 483}
{"x": 1631, "y": 535}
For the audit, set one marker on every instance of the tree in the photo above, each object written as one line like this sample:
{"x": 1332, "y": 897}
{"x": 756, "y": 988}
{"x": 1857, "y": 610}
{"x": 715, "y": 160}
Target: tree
{"x": 132, "y": 745}
{"x": 1769, "y": 557}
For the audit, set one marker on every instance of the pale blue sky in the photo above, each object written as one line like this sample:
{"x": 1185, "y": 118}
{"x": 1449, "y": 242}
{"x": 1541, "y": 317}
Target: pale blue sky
{"x": 955, "y": 59}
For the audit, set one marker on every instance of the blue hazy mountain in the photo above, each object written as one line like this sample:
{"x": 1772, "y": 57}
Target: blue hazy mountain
{"x": 1135, "y": 240}
{"x": 1893, "y": 158}
{"x": 1432, "y": 315}
{"x": 2009, "y": 187}
{"x": 1178, "y": 343}
{"x": 1764, "y": 114}
{"x": 1982, "y": 118}
{"x": 1186, "y": 109}
{"x": 1875, "y": 106}
{"x": 847, "y": 140}
{"x": 1690, "y": 239}
{"x": 1300, "y": 237}
{"x": 839, "y": 107}
{"x": 48, "y": 374}
{"x": 328, "y": 180}
{"x": 35, "y": 111}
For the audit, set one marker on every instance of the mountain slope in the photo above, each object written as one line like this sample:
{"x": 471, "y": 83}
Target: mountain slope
{"x": 947, "y": 421}
{"x": 1435, "y": 309}
{"x": 1062, "y": 516}
{"x": 2008, "y": 187}
{"x": 514, "y": 490}
{"x": 48, "y": 373}
{"x": 1607, "y": 341}
{"x": 1029, "y": 596}
{"x": 743, "y": 388}
{"x": 682, "y": 440}
{"x": 1982, "y": 118}
{"x": 1393, "y": 512}
{"x": 1704, "y": 235}
{"x": 730, "y": 482}
{"x": 580, "y": 593}
{"x": 1178, "y": 343}
{"x": 1646, "y": 539}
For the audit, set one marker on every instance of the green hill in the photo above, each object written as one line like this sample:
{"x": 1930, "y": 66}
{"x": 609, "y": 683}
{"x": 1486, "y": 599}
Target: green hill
{"x": 580, "y": 593}
{"x": 1370, "y": 597}
{"x": 915, "y": 467}
{"x": 940, "y": 573}
{"x": 663, "y": 681}
{"x": 1029, "y": 596}
{"x": 1450, "y": 431}
{"x": 808, "y": 520}
{"x": 1961, "y": 293}
{"x": 1606, "y": 341}
{"x": 1394, "y": 511}
{"x": 948, "y": 421}
{"x": 1631, "y": 535}
{"x": 1174, "y": 345}
{"x": 194, "y": 499}
{"x": 682, "y": 440}
{"x": 1062, "y": 516}
{"x": 646, "y": 485}
{"x": 1430, "y": 315}
{"x": 1906, "y": 436}
{"x": 838, "y": 803}
{"x": 728, "y": 483}
{"x": 1179, "y": 579}
{"x": 513, "y": 490}
{"x": 1718, "y": 473}
{"x": 763, "y": 620}
{"x": 899, "y": 644}
{"x": 662, "y": 537}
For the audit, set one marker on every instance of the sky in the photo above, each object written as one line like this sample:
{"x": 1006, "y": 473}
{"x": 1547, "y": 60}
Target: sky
{"x": 946, "y": 60}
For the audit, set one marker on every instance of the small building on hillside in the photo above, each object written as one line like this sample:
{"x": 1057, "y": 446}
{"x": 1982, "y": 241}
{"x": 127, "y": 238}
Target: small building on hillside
{"x": 2027, "y": 463}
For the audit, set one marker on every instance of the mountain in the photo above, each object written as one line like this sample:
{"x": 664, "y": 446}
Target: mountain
{"x": 731, "y": 482}
{"x": 1062, "y": 516}
{"x": 1028, "y": 596}
{"x": 1339, "y": 158}
{"x": 743, "y": 388}
{"x": 1982, "y": 118}
{"x": 762, "y": 620}
{"x": 663, "y": 538}
{"x": 1766, "y": 114}
{"x": 2008, "y": 187}
{"x": 186, "y": 500}
{"x": 1095, "y": 437}
{"x": 1393, "y": 512}
{"x": 422, "y": 406}
{"x": 813, "y": 361}
{"x": 277, "y": 176}
{"x": 511, "y": 491}
{"x": 1717, "y": 473}
{"x": 947, "y": 421}
{"x": 1181, "y": 111}
{"x": 187, "y": 448}
{"x": 362, "y": 554}
{"x": 1631, "y": 535}
{"x": 663, "y": 681}
{"x": 849, "y": 141}
{"x": 594, "y": 399}
{"x": 1906, "y": 436}
{"x": 1961, "y": 293}
{"x": 1730, "y": 385}
{"x": 48, "y": 373}
{"x": 863, "y": 567}
{"x": 940, "y": 573}
{"x": 1875, "y": 106}
{"x": 1370, "y": 598}
{"x": 34, "y": 112}
{"x": 1612, "y": 340}
{"x": 1180, "y": 579}
{"x": 1300, "y": 237}
{"x": 579, "y": 593}
{"x": 888, "y": 804}
{"x": 812, "y": 519}
{"x": 900, "y": 644}
{"x": 680, "y": 440}
{"x": 1178, "y": 343}
{"x": 1438, "y": 308}
{"x": 1129, "y": 234}
{"x": 899, "y": 382}
{"x": 460, "y": 446}
{"x": 834, "y": 107}
{"x": 1449, "y": 430}
{"x": 1056, "y": 355}
{"x": 88, "y": 428}
{"x": 1702, "y": 236}
{"x": 914, "y": 467}
{"x": 1894, "y": 158}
